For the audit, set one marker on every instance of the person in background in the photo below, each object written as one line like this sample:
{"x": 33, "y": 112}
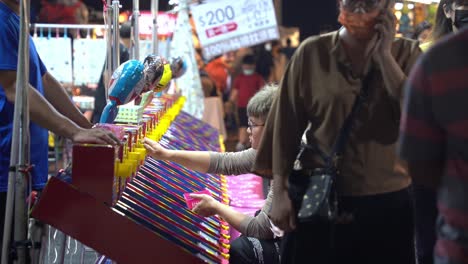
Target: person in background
{"x": 263, "y": 61}
{"x": 237, "y": 63}
{"x": 422, "y": 32}
{"x": 208, "y": 85}
{"x": 318, "y": 90}
{"x": 50, "y": 107}
{"x": 257, "y": 243}
{"x": 288, "y": 50}
{"x": 245, "y": 86}
{"x": 279, "y": 62}
{"x": 433, "y": 141}
{"x": 126, "y": 34}
{"x": 449, "y": 18}
{"x": 270, "y": 61}
{"x": 124, "y": 55}
{"x": 220, "y": 71}
{"x": 64, "y": 12}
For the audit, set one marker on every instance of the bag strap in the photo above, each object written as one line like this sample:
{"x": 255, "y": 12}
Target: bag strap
{"x": 331, "y": 161}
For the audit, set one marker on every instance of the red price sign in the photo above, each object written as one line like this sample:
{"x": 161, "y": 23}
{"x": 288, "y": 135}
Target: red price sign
{"x": 223, "y": 29}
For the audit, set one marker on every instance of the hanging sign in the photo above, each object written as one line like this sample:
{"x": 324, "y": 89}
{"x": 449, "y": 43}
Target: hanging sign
{"x": 227, "y": 25}
{"x": 165, "y": 22}
{"x": 59, "y": 64}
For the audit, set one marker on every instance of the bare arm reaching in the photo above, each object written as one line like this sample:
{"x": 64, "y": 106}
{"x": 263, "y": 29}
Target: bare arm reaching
{"x": 45, "y": 115}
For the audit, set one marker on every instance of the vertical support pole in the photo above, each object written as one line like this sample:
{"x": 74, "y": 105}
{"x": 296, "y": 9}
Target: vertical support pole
{"x": 109, "y": 69}
{"x": 115, "y": 34}
{"x": 135, "y": 41}
{"x": 113, "y": 39}
{"x": 154, "y": 13}
{"x": 17, "y": 180}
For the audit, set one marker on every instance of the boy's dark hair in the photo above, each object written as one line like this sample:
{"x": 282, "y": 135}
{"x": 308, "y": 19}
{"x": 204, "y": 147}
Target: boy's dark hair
{"x": 248, "y": 59}
{"x": 125, "y": 29}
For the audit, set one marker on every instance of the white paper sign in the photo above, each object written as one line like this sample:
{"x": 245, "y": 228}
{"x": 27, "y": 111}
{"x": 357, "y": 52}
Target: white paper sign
{"x": 146, "y": 48}
{"x": 189, "y": 83}
{"x": 227, "y": 25}
{"x": 89, "y": 56}
{"x": 56, "y": 53}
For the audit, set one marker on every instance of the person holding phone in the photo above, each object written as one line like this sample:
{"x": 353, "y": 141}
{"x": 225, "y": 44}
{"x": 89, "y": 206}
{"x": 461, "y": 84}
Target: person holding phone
{"x": 319, "y": 88}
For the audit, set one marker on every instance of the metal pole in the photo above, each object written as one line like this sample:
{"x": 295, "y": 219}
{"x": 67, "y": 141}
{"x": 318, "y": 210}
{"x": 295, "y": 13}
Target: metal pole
{"x": 154, "y": 13}
{"x": 108, "y": 22}
{"x": 69, "y": 26}
{"x": 17, "y": 180}
{"x": 109, "y": 65}
{"x": 135, "y": 41}
{"x": 115, "y": 35}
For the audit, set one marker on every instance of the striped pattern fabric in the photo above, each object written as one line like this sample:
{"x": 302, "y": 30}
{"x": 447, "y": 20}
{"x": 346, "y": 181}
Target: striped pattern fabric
{"x": 435, "y": 128}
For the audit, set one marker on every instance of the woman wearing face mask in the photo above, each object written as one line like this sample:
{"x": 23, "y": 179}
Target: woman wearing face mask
{"x": 451, "y": 16}
{"x": 319, "y": 88}
{"x": 245, "y": 86}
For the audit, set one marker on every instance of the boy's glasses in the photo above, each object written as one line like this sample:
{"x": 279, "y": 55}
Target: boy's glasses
{"x": 252, "y": 125}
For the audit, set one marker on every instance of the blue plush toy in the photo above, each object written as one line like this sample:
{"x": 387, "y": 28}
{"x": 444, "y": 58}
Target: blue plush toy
{"x": 133, "y": 78}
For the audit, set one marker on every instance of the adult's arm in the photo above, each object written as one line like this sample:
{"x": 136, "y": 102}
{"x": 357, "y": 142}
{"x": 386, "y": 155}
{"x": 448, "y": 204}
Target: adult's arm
{"x": 232, "y": 163}
{"x": 282, "y": 134}
{"x": 259, "y": 226}
{"x": 394, "y": 76}
{"x": 229, "y": 163}
{"x": 250, "y": 226}
{"x": 45, "y": 115}
{"x": 58, "y": 97}
{"x": 256, "y": 226}
{"x": 194, "y": 160}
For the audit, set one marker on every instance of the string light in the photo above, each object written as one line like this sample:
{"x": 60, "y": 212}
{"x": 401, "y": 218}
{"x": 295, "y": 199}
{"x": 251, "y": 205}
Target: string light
{"x": 424, "y": 1}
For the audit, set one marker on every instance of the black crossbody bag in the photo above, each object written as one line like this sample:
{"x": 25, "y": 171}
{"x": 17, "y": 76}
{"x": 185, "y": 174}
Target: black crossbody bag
{"x": 320, "y": 200}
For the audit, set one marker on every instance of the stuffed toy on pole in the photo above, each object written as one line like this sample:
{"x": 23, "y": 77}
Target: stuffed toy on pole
{"x": 134, "y": 77}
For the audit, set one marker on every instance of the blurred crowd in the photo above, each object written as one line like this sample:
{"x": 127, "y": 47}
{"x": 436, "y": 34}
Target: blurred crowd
{"x": 236, "y": 76}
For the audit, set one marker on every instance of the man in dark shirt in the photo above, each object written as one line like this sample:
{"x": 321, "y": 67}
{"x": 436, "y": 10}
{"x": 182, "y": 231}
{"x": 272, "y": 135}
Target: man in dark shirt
{"x": 434, "y": 135}
{"x": 50, "y": 107}
{"x": 100, "y": 94}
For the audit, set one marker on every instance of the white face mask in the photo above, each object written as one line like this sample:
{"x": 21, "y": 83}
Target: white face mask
{"x": 248, "y": 72}
{"x": 268, "y": 46}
